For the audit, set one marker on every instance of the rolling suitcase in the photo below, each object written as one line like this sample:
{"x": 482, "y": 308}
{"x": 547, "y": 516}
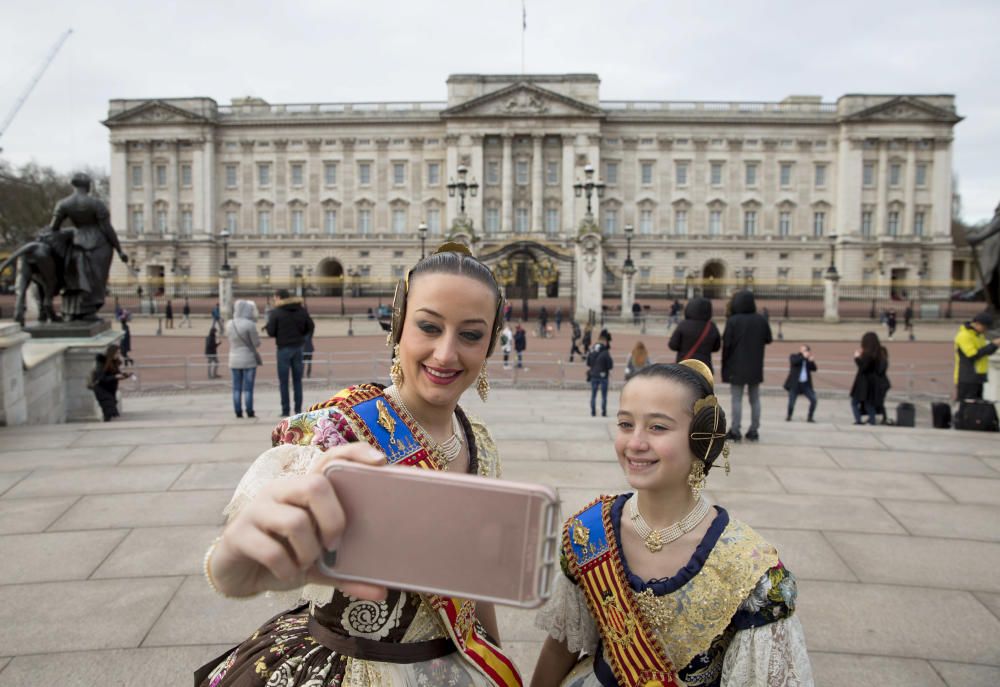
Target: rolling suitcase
{"x": 977, "y": 415}
{"x": 941, "y": 412}
{"x": 906, "y": 415}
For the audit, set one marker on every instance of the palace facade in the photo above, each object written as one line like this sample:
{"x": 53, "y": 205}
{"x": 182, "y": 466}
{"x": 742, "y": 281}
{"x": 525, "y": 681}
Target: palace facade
{"x": 713, "y": 193}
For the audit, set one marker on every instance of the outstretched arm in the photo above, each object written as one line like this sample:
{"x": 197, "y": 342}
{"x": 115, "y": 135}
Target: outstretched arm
{"x": 554, "y": 663}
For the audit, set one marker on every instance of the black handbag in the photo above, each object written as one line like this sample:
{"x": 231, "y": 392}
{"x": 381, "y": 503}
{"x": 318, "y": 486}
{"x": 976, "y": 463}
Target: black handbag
{"x": 977, "y": 415}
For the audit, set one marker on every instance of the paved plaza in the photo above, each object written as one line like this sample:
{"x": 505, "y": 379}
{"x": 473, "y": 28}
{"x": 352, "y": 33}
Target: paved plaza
{"x": 894, "y": 534}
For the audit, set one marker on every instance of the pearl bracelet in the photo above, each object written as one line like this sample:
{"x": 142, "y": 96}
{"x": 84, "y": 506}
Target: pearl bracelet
{"x": 207, "y": 567}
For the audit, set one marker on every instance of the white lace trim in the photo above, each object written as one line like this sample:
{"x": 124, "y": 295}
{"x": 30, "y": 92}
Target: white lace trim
{"x": 281, "y": 461}
{"x": 566, "y": 617}
{"x": 770, "y": 656}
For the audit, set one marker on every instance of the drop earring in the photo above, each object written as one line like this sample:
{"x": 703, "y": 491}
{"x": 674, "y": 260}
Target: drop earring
{"x": 483, "y": 383}
{"x": 396, "y": 370}
{"x": 696, "y": 480}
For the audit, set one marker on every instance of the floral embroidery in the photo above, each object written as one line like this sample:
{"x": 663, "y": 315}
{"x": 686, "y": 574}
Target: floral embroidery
{"x": 327, "y": 433}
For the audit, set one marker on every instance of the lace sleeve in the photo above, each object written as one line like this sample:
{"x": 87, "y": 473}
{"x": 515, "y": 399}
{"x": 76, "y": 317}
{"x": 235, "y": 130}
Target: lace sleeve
{"x": 489, "y": 456}
{"x": 772, "y": 655}
{"x": 281, "y": 461}
{"x": 566, "y": 617}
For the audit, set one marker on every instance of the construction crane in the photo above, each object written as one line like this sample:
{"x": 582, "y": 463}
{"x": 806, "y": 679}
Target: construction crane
{"x": 34, "y": 82}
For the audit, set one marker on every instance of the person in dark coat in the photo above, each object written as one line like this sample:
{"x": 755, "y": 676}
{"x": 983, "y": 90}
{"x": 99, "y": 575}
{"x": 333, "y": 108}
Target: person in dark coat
{"x": 882, "y": 384}
{"x": 186, "y": 312}
{"x": 588, "y": 333}
{"x": 696, "y": 337}
{"x": 543, "y": 321}
{"x": 104, "y": 382}
{"x": 865, "y": 390}
{"x": 743, "y": 342}
{"x": 168, "y": 313}
{"x": 799, "y": 381}
{"x": 520, "y": 343}
{"x": 289, "y": 324}
{"x": 212, "y": 352}
{"x": 890, "y": 323}
{"x": 599, "y": 365}
{"x": 126, "y": 342}
{"x": 574, "y": 346}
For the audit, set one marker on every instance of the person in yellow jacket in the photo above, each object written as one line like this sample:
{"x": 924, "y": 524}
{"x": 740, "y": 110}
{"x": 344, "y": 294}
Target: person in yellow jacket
{"x": 972, "y": 356}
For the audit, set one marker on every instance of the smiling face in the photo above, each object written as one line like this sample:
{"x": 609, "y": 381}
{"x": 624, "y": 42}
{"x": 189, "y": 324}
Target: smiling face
{"x": 654, "y": 421}
{"x": 445, "y": 337}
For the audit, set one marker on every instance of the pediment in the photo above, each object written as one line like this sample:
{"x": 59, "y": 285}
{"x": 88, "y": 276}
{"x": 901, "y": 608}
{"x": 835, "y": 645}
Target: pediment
{"x": 523, "y": 99}
{"x": 904, "y": 109}
{"x": 155, "y": 112}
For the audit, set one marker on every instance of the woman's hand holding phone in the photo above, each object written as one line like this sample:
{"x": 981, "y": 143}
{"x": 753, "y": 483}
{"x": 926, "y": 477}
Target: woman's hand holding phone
{"x": 274, "y": 542}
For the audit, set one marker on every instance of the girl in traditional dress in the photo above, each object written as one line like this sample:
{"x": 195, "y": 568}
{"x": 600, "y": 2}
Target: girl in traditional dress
{"x": 446, "y": 320}
{"x": 647, "y": 603}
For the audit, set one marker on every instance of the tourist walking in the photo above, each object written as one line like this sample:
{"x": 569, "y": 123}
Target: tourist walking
{"x": 216, "y": 315}
{"x": 972, "y": 352}
{"x": 585, "y": 340}
{"x": 801, "y": 366}
{"x": 869, "y": 359}
{"x": 186, "y": 314}
{"x": 520, "y": 343}
{"x": 168, "y": 314}
{"x": 743, "y": 342}
{"x": 637, "y": 360}
{"x": 599, "y": 366}
{"x": 346, "y": 633}
{"x": 543, "y": 320}
{"x": 289, "y": 324}
{"x": 506, "y": 344}
{"x": 212, "y": 353}
{"x": 675, "y": 313}
{"x": 244, "y": 356}
{"x": 559, "y": 318}
{"x": 126, "y": 341}
{"x": 636, "y": 313}
{"x": 890, "y": 323}
{"x": 697, "y": 337}
{"x": 574, "y": 343}
{"x": 658, "y": 587}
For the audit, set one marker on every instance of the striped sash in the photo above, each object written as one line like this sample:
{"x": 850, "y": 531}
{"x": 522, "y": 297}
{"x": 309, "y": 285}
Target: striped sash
{"x": 635, "y": 655}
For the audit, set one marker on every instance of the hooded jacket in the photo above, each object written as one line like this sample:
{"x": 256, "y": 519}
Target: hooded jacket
{"x": 747, "y": 333}
{"x": 972, "y": 352}
{"x": 697, "y": 315}
{"x": 243, "y": 336}
{"x": 288, "y": 323}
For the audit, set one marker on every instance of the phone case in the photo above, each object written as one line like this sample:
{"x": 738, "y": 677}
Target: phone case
{"x": 442, "y": 533}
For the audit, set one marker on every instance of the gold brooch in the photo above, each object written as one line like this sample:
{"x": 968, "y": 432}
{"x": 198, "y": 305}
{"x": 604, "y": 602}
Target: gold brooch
{"x": 581, "y": 535}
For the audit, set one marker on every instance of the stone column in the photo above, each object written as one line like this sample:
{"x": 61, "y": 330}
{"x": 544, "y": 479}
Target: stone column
{"x": 347, "y": 183}
{"x": 314, "y": 214}
{"x": 474, "y": 206}
{"x": 831, "y": 297}
{"x": 451, "y": 174}
{"x": 849, "y": 171}
{"x": 536, "y": 183}
{"x": 13, "y": 404}
{"x": 173, "y": 187}
{"x": 418, "y": 182}
{"x": 589, "y": 267}
{"x": 628, "y": 293}
{"x": 225, "y": 294}
{"x": 147, "y": 190}
{"x": 280, "y": 222}
{"x": 247, "y": 178}
{"x": 507, "y": 186}
{"x": 568, "y": 212}
{"x": 910, "y": 190}
{"x": 209, "y": 179}
{"x": 941, "y": 188}
{"x": 383, "y": 180}
{"x": 121, "y": 181}
{"x": 883, "y": 188}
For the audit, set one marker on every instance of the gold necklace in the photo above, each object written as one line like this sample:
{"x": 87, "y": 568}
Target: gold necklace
{"x": 657, "y": 539}
{"x": 444, "y": 452}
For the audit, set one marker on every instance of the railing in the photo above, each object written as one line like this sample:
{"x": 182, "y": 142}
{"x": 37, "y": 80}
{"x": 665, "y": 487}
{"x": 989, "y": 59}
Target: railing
{"x": 293, "y": 109}
{"x": 724, "y": 107}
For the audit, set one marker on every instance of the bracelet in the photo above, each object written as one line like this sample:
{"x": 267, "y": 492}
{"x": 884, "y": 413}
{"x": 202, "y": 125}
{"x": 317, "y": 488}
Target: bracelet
{"x": 207, "y": 567}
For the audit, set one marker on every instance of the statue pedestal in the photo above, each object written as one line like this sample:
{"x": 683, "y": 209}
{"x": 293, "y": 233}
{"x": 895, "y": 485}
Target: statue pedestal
{"x": 225, "y": 294}
{"x": 45, "y": 380}
{"x": 589, "y": 274}
{"x": 628, "y": 293}
{"x": 991, "y": 390}
{"x": 78, "y": 329}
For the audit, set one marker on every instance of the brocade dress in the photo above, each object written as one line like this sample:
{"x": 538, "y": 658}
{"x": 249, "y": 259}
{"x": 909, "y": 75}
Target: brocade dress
{"x": 727, "y": 617}
{"x": 333, "y": 639}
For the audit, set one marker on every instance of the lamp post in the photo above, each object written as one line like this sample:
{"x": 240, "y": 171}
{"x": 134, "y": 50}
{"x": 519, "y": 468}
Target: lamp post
{"x": 629, "y": 230}
{"x": 588, "y": 186}
{"x": 224, "y": 235}
{"x": 461, "y": 187}
{"x": 343, "y": 287}
{"x": 422, "y": 233}
{"x": 628, "y": 276}
{"x": 831, "y": 292}
{"x": 832, "y": 269}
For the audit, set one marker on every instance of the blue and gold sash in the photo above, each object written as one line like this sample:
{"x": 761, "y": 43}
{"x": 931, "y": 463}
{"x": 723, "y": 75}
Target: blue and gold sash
{"x": 384, "y": 426}
{"x": 636, "y": 657}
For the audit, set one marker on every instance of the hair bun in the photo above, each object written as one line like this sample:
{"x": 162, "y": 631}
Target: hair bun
{"x": 454, "y": 247}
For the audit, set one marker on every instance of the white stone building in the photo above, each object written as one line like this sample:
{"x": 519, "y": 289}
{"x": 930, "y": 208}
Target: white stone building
{"x": 718, "y": 193}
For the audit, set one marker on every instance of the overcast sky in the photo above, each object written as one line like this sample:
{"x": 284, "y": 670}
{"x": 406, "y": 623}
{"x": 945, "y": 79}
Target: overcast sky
{"x": 330, "y": 51}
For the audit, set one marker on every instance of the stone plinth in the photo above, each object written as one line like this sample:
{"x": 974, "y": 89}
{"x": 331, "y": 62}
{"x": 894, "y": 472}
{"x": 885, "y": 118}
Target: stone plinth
{"x": 13, "y": 408}
{"x": 589, "y": 273}
{"x": 831, "y": 297}
{"x": 991, "y": 390}
{"x": 75, "y": 329}
{"x": 628, "y": 292}
{"x": 226, "y": 294}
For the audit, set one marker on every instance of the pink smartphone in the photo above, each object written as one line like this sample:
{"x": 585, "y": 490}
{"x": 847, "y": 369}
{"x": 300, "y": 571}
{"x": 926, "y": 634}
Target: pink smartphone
{"x": 442, "y": 533}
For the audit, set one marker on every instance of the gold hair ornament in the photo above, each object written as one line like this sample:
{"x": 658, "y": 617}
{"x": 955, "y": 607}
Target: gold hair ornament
{"x": 712, "y": 402}
{"x": 701, "y": 368}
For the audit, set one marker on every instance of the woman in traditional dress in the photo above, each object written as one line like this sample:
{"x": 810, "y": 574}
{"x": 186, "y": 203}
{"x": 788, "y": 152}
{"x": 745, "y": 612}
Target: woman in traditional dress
{"x": 446, "y": 320}
{"x": 702, "y": 601}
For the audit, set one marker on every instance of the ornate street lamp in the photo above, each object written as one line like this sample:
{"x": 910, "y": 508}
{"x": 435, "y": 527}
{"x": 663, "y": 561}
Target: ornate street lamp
{"x": 588, "y": 186}
{"x": 462, "y": 187}
{"x": 831, "y": 271}
{"x": 422, "y": 232}
{"x": 224, "y": 235}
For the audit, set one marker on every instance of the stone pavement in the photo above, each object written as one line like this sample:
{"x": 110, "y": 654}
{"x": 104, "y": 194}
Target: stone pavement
{"x": 894, "y": 534}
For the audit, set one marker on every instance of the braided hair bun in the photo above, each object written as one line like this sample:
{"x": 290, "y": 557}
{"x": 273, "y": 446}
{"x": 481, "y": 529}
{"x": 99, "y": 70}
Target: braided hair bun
{"x": 707, "y": 435}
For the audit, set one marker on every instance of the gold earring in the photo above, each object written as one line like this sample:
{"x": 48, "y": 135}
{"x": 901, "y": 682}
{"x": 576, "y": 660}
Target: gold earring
{"x": 396, "y": 370}
{"x": 696, "y": 480}
{"x": 483, "y": 383}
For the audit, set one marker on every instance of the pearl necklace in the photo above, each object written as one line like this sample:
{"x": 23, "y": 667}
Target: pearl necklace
{"x": 656, "y": 539}
{"x": 444, "y": 452}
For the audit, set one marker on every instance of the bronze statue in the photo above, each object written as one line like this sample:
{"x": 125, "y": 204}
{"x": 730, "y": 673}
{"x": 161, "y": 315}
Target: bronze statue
{"x": 985, "y": 244}
{"x": 75, "y": 261}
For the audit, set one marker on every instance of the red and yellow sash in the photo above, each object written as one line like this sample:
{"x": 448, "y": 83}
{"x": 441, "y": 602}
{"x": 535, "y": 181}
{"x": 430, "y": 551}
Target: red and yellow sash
{"x": 635, "y": 655}
{"x": 388, "y": 429}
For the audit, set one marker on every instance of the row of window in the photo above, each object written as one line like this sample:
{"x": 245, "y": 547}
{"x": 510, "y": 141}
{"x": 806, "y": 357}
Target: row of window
{"x": 160, "y": 176}
{"x": 137, "y": 221}
{"x": 399, "y": 223}
{"x": 869, "y": 174}
{"x": 681, "y": 272}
